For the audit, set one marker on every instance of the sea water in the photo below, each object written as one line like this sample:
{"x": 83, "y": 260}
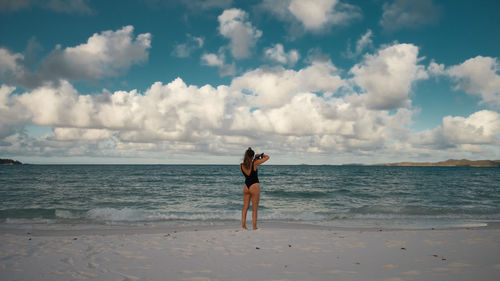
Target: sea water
{"x": 350, "y": 196}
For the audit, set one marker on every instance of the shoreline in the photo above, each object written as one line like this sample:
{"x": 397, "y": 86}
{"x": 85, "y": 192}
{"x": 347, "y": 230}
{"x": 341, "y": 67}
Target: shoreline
{"x": 69, "y": 230}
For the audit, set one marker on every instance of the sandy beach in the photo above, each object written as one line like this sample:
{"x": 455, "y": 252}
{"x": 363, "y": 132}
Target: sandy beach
{"x": 274, "y": 252}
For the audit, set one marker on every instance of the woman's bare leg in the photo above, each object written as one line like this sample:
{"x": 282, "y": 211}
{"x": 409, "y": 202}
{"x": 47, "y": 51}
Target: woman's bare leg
{"x": 255, "y": 192}
{"x": 246, "y": 205}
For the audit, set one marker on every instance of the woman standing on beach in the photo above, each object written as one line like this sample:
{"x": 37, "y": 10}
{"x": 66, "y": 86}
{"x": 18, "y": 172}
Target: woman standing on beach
{"x": 251, "y": 189}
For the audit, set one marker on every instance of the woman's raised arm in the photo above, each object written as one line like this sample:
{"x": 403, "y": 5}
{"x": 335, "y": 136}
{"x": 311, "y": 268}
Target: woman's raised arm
{"x": 264, "y": 158}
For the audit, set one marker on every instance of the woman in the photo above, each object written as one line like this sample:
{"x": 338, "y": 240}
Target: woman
{"x": 251, "y": 189}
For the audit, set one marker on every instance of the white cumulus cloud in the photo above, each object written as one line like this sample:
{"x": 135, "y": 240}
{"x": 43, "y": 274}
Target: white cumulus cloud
{"x": 77, "y": 134}
{"x": 435, "y": 68}
{"x": 313, "y": 110}
{"x": 387, "y": 76}
{"x": 277, "y": 54}
{"x": 364, "y": 42}
{"x": 105, "y": 54}
{"x": 11, "y": 114}
{"x": 219, "y": 60}
{"x": 313, "y": 15}
{"x": 11, "y": 67}
{"x": 482, "y": 127}
{"x": 212, "y": 60}
{"x": 473, "y": 133}
{"x": 479, "y": 76}
{"x": 234, "y": 25}
{"x": 310, "y": 123}
{"x": 175, "y": 113}
{"x": 273, "y": 87}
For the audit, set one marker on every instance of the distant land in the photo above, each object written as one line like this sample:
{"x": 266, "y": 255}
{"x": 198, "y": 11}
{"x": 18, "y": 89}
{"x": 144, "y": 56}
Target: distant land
{"x": 9, "y": 162}
{"x": 447, "y": 163}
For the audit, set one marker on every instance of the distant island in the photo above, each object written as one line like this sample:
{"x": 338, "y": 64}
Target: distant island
{"x": 9, "y": 162}
{"x": 447, "y": 163}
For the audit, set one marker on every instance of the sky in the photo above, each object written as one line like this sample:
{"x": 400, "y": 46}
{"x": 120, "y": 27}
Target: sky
{"x": 197, "y": 82}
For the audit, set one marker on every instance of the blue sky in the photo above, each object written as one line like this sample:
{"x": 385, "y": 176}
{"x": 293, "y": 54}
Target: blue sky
{"x": 319, "y": 82}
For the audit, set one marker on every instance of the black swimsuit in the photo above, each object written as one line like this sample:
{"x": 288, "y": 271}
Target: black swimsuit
{"x": 252, "y": 178}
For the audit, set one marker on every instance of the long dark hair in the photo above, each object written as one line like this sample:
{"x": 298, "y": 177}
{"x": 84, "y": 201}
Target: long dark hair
{"x": 248, "y": 157}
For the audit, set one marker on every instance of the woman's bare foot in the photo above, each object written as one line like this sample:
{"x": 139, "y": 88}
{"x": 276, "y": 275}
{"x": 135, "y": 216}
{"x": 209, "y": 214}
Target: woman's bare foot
{"x": 255, "y": 228}
{"x": 244, "y": 228}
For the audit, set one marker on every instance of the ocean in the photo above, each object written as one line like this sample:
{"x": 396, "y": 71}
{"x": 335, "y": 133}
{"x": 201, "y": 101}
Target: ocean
{"x": 61, "y": 196}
